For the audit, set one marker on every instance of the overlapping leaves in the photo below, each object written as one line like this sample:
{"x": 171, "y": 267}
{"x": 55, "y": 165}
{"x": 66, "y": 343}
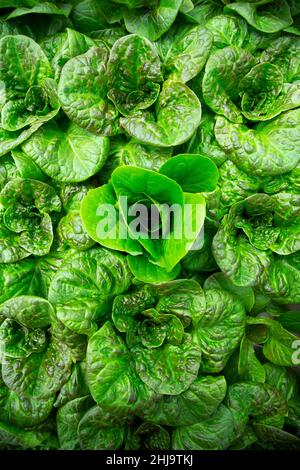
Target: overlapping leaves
{"x": 166, "y": 102}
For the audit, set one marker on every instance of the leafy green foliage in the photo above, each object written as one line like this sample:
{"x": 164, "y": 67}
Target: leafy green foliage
{"x": 124, "y": 324}
{"x": 76, "y": 154}
{"x": 264, "y": 149}
{"x": 134, "y": 78}
{"x": 81, "y": 289}
{"x": 177, "y": 104}
{"x": 269, "y": 18}
{"x": 156, "y": 190}
{"x": 153, "y": 20}
{"x": 220, "y": 330}
{"x": 184, "y": 51}
{"x": 27, "y": 90}
{"x": 25, "y": 219}
{"x": 91, "y": 111}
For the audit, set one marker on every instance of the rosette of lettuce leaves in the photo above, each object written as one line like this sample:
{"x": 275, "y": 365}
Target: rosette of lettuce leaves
{"x": 150, "y": 343}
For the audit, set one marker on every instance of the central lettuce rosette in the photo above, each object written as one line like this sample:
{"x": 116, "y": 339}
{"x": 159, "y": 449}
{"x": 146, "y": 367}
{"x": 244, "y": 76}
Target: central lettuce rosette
{"x": 155, "y": 217}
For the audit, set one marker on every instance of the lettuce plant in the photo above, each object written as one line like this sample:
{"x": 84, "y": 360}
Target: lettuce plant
{"x": 28, "y": 91}
{"x": 179, "y": 182}
{"x": 149, "y": 225}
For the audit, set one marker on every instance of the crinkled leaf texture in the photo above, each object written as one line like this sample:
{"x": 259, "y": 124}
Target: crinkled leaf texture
{"x": 160, "y": 329}
{"x": 67, "y": 154}
{"x": 26, "y": 226}
{"x": 270, "y": 148}
{"x": 153, "y": 256}
{"x": 82, "y": 91}
{"x": 134, "y": 73}
{"x": 220, "y": 330}
{"x": 166, "y": 358}
{"x": 111, "y": 376}
{"x": 178, "y": 114}
{"x": 83, "y": 288}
